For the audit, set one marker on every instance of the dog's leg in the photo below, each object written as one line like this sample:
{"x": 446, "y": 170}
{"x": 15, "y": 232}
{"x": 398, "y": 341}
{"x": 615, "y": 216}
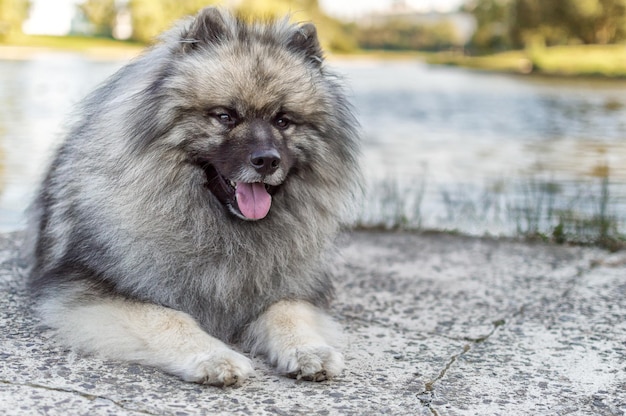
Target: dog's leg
{"x": 145, "y": 333}
{"x": 298, "y": 339}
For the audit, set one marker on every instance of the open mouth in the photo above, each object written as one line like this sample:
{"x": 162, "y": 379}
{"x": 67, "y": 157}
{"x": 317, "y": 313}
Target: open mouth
{"x": 249, "y": 201}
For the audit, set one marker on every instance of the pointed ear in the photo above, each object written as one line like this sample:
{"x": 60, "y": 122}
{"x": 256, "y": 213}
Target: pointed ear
{"x": 208, "y": 26}
{"x": 304, "y": 40}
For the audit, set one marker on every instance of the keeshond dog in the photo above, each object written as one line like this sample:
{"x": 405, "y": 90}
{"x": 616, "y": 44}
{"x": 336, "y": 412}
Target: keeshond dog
{"x": 192, "y": 204}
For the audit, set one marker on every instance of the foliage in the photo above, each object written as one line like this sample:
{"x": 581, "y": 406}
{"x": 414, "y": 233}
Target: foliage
{"x": 101, "y": 14}
{"x": 402, "y": 34}
{"x": 151, "y": 17}
{"x": 564, "y": 21}
{"x": 520, "y": 23}
{"x": 492, "y": 23}
{"x": 12, "y": 14}
{"x": 332, "y": 34}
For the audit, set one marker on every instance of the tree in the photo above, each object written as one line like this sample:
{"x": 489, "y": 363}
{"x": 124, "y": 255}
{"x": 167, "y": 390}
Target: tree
{"x": 148, "y": 17}
{"x": 519, "y": 23}
{"x": 595, "y": 21}
{"x": 493, "y": 20}
{"x": 566, "y": 21}
{"x": 332, "y": 34}
{"x": 101, "y": 14}
{"x": 538, "y": 22}
{"x": 151, "y": 17}
{"x": 12, "y": 15}
{"x": 403, "y": 34}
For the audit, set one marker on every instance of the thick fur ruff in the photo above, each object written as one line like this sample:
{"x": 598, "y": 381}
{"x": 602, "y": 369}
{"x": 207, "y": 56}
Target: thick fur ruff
{"x": 153, "y": 235}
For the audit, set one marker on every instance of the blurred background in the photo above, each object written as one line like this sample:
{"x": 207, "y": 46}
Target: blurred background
{"x": 484, "y": 117}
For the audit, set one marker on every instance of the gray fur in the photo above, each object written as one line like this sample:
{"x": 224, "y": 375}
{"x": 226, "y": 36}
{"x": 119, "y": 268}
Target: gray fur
{"x": 124, "y": 212}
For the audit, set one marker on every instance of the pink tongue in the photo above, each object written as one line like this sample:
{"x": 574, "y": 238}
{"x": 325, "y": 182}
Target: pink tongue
{"x": 253, "y": 200}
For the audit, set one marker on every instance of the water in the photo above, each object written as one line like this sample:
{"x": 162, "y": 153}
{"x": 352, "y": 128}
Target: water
{"x": 36, "y": 97}
{"x": 487, "y": 153}
{"x": 471, "y": 125}
{"x": 458, "y": 147}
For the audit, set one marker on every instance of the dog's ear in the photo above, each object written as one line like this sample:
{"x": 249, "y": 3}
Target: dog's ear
{"x": 304, "y": 39}
{"x": 209, "y": 26}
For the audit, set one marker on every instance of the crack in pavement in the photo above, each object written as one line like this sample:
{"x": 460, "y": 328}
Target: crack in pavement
{"x": 90, "y": 397}
{"x": 429, "y": 386}
{"x": 426, "y": 397}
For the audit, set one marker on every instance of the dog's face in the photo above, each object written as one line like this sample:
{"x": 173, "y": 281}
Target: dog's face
{"x": 251, "y": 107}
{"x": 246, "y": 157}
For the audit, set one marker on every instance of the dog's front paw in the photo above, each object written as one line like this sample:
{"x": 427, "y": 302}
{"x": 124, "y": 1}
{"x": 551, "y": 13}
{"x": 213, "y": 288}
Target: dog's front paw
{"x": 222, "y": 367}
{"x": 312, "y": 363}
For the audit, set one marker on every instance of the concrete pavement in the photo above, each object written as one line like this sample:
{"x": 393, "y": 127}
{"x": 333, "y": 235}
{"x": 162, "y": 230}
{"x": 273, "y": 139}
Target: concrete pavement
{"x": 435, "y": 324}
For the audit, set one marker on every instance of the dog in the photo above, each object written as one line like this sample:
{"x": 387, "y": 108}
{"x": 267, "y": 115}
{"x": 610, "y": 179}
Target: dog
{"x": 194, "y": 201}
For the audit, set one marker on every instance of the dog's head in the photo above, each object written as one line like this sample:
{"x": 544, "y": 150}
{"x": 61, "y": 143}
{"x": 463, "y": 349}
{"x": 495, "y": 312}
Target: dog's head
{"x": 252, "y": 106}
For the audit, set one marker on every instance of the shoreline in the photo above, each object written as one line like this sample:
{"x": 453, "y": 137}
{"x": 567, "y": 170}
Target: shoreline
{"x": 516, "y": 62}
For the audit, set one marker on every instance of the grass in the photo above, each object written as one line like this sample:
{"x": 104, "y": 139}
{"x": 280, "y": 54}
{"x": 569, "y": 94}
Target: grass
{"x": 604, "y": 60}
{"x": 511, "y": 61}
{"x": 535, "y": 208}
{"x": 572, "y": 60}
{"x": 391, "y": 206}
{"x": 24, "y": 44}
{"x": 69, "y": 42}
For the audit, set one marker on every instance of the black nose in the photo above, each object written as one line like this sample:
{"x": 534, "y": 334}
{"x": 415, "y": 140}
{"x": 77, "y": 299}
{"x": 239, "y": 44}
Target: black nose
{"x": 265, "y": 161}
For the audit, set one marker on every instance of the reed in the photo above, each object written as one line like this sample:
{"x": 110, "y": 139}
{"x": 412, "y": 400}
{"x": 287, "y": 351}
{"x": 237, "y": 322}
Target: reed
{"x": 584, "y": 212}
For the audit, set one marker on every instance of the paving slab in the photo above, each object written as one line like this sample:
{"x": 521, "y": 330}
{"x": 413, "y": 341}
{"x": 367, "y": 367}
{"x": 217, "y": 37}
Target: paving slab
{"x": 436, "y": 324}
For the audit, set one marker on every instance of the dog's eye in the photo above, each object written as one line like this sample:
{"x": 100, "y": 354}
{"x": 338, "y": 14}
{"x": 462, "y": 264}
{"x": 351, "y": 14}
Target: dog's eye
{"x": 226, "y": 117}
{"x": 282, "y": 122}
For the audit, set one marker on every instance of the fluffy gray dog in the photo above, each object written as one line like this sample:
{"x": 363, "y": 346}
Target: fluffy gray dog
{"x": 193, "y": 201}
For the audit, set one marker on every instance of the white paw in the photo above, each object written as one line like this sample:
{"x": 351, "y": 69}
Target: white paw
{"x": 222, "y": 367}
{"x": 312, "y": 363}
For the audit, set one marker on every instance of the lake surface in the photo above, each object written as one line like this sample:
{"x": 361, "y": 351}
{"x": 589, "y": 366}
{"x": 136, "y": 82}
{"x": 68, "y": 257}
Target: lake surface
{"x": 443, "y": 147}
